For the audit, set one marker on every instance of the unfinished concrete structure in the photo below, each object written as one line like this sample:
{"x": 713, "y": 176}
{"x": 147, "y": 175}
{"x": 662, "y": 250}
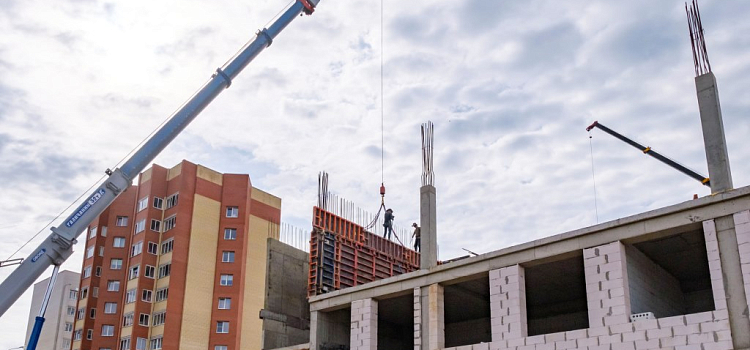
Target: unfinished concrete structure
{"x": 655, "y": 280}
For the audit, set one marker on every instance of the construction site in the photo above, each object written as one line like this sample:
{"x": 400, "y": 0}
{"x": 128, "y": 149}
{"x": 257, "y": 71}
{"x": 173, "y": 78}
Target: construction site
{"x": 676, "y": 277}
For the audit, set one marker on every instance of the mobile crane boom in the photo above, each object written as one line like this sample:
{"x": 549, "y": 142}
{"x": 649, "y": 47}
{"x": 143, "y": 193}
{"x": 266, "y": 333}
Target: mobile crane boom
{"x": 647, "y": 150}
{"x": 59, "y": 244}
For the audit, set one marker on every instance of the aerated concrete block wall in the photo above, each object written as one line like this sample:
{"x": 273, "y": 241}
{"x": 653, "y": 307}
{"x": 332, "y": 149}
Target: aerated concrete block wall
{"x": 364, "y": 325}
{"x": 742, "y": 228}
{"x": 714, "y": 265}
{"x": 652, "y": 289}
{"x": 508, "y": 303}
{"x": 608, "y": 294}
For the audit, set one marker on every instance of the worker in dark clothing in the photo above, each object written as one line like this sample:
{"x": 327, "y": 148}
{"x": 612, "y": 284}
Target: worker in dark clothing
{"x": 388, "y": 223}
{"x": 417, "y": 236}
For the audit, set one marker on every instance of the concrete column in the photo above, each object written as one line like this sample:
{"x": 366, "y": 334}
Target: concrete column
{"x": 713, "y": 133}
{"x": 607, "y": 290}
{"x": 731, "y": 269}
{"x": 428, "y": 222}
{"x": 315, "y": 331}
{"x": 433, "y": 318}
{"x": 507, "y": 305}
{"x": 364, "y": 327}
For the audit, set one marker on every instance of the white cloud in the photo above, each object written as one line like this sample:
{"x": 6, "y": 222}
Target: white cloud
{"x": 510, "y": 87}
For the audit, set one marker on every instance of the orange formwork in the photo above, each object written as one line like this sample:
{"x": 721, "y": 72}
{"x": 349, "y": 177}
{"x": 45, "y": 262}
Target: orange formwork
{"x": 343, "y": 254}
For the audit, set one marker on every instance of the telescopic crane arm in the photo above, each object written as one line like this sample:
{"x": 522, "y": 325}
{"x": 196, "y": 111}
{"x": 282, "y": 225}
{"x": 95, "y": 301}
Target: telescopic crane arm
{"x": 59, "y": 245}
{"x": 647, "y": 150}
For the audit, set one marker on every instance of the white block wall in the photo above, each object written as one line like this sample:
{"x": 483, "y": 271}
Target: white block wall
{"x": 714, "y": 265}
{"x": 508, "y": 303}
{"x": 742, "y": 228}
{"x": 417, "y": 318}
{"x": 652, "y": 289}
{"x": 701, "y": 331}
{"x": 607, "y": 291}
{"x": 364, "y": 326}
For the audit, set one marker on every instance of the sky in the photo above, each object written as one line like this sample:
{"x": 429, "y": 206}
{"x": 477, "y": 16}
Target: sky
{"x": 509, "y": 85}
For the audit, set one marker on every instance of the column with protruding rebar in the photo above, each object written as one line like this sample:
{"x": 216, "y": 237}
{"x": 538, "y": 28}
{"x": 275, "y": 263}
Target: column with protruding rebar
{"x": 428, "y": 203}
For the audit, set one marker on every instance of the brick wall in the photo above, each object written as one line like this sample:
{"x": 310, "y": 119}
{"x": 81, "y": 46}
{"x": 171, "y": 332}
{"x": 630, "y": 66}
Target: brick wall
{"x": 508, "y": 303}
{"x": 652, "y": 289}
{"x": 714, "y": 265}
{"x": 742, "y": 228}
{"x": 607, "y": 290}
{"x": 364, "y": 326}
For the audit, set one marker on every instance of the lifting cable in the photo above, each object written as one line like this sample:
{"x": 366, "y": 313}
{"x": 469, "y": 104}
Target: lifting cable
{"x": 591, "y": 148}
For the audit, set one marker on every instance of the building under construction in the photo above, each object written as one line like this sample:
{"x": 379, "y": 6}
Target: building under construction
{"x": 672, "y": 278}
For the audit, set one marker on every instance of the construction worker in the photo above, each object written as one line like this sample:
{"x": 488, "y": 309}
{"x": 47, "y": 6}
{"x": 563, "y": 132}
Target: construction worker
{"x": 416, "y": 235}
{"x": 388, "y": 223}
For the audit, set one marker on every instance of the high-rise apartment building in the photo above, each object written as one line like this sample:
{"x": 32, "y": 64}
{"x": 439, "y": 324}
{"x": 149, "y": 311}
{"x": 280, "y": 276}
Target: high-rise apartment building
{"x": 60, "y": 315}
{"x": 177, "y": 262}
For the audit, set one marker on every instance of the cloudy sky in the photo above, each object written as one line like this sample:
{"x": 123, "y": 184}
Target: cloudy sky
{"x": 510, "y": 86}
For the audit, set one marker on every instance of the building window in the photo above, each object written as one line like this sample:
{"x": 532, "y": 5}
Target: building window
{"x": 230, "y": 234}
{"x": 73, "y": 294}
{"x": 156, "y": 342}
{"x": 87, "y": 271}
{"x": 84, "y": 292}
{"x": 146, "y": 295}
{"x": 108, "y": 330}
{"x": 170, "y": 223}
{"x": 143, "y": 319}
{"x": 162, "y": 294}
{"x": 65, "y": 344}
{"x": 172, "y": 200}
{"x": 222, "y": 327}
{"x": 71, "y": 310}
{"x": 121, "y": 221}
{"x": 89, "y": 334}
{"x": 77, "y": 334}
{"x": 95, "y": 292}
{"x": 98, "y": 271}
{"x": 134, "y": 272}
{"x": 167, "y": 246}
{"x": 153, "y": 248}
{"x": 104, "y": 231}
{"x": 142, "y": 203}
{"x": 110, "y": 308}
{"x": 158, "y": 202}
{"x": 92, "y": 313}
{"x": 119, "y": 242}
{"x": 81, "y": 313}
{"x": 125, "y": 343}
{"x": 149, "y": 271}
{"x": 155, "y": 224}
{"x": 113, "y": 286}
{"x": 140, "y": 343}
{"x": 140, "y": 226}
{"x": 136, "y": 249}
{"x": 89, "y": 252}
{"x": 92, "y": 232}
{"x": 227, "y": 256}
{"x": 130, "y": 296}
{"x": 115, "y": 264}
{"x": 127, "y": 319}
{"x": 68, "y": 327}
{"x": 225, "y": 303}
{"x": 233, "y": 212}
{"x": 101, "y": 250}
{"x": 220, "y": 347}
{"x": 159, "y": 318}
{"x": 226, "y": 280}
{"x": 165, "y": 270}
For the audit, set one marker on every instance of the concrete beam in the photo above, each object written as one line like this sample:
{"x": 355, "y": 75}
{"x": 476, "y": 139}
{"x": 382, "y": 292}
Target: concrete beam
{"x": 428, "y": 222}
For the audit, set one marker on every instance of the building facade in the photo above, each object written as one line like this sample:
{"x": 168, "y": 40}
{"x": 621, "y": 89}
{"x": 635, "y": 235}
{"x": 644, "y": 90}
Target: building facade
{"x": 59, "y": 318}
{"x": 177, "y": 262}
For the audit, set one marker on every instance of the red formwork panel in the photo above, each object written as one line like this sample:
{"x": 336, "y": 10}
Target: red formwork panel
{"x": 343, "y": 254}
